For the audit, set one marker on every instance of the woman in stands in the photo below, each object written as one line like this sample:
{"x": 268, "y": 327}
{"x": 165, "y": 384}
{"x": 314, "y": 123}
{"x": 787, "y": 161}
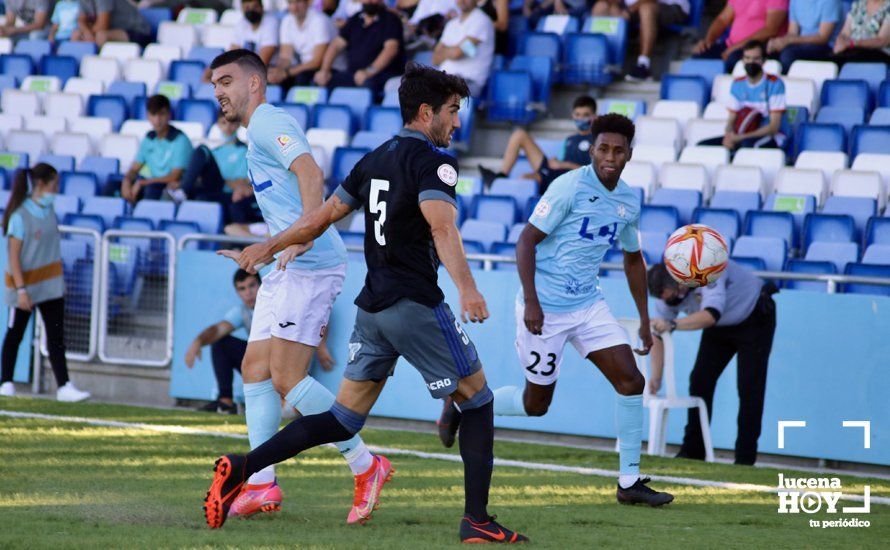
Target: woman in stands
{"x": 866, "y": 33}
{"x": 34, "y": 275}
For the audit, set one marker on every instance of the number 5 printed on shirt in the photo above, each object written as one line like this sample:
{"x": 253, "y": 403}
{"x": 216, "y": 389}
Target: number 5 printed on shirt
{"x": 378, "y": 206}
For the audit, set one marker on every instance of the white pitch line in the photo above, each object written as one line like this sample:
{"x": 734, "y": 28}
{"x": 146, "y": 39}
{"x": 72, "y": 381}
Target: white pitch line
{"x": 181, "y": 430}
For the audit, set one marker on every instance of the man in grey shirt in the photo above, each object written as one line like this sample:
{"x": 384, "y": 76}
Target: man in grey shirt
{"x": 737, "y": 316}
{"x": 101, "y": 21}
{"x": 34, "y": 14}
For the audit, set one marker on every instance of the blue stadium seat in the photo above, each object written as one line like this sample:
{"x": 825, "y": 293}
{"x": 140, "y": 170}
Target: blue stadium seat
{"x": 79, "y": 184}
{"x": 474, "y": 247}
{"x": 62, "y": 67}
{"x": 686, "y": 88}
{"x": 792, "y": 119}
{"x": 156, "y": 16}
{"x": 7, "y": 81}
{"x": 686, "y": 201}
{"x": 423, "y": 57}
{"x": 124, "y": 277}
{"x": 515, "y": 231}
{"x": 872, "y": 73}
{"x": 812, "y": 268}
{"x": 836, "y": 228}
{"x": 61, "y": 163}
{"x": 14, "y": 160}
{"x": 467, "y": 117}
{"x": 615, "y": 31}
{"x": 517, "y": 27}
{"x": 541, "y": 70}
{"x": 64, "y": 205}
{"x": 204, "y": 54}
{"x": 884, "y": 94}
{"x": 127, "y": 223}
{"x": 391, "y": 97}
{"x": 139, "y": 110}
{"x": 156, "y": 211}
{"x": 34, "y": 48}
{"x": 571, "y": 26}
{"x": 77, "y": 50}
{"x": 204, "y": 111}
{"x": 846, "y": 92}
{"x": 113, "y": 107}
{"x": 180, "y": 229}
{"x": 754, "y": 264}
{"x": 510, "y": 93}
{"x": 384, "y": 120}
{"x": 495, "y": 208}
{"x": 867, "y": 270}
{"x": 208, "y": 215}
{"x": 771, "y": 224}
{"x": 79, "y": 289}
{"x": 520, "y": 189}
{"x": 85, "y": 221}
{"x": 189, "y": 72}
{"x": 274, "y": 93}
{"x": 653, "y": 243}
{"x": 308, "y": 95}
{"x": 101, "y": 166}
{"x": 870, "y": 139}
{"x": 797, "y": 205}
{"x": 586, "y": 60}
{"x": 740, "y": 201}
{"x": 504, "y": 249}
{"x": 880, "y": 117}
{"x": 107, "y": 207}
{"x": 73, "y": 251}
{"x": 708, "y": 69}
{"x": 693, "y": 22}
{"x": 484, "y": 232}
{"x": 128, "y": 90}
{"x": 859, "y": 208}
{"x": 544, "y": 44}
{"x": 17, "y": 65}
{"x": 877, "y": 231}
{"x": 877, "y": 254}
{"x": 839, "y": 253}
{"x": 725, "y": 221}
{"x": 337, "y": 117}
{"x": 821, "y": 137}
{"x": 845, "y": 116}
{"x": 299, "y": 111}
{"x": 344, "y": 159}
{"x": 659, "y": 219}
{"x": 205, "y": 91}
{"x": 370, "y": 140}
{"x": 772, "y": 250}
{"x": 357, "y": 99}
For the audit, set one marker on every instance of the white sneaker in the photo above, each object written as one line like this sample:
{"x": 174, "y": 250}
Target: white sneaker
{"x": 70, "y": 394}
{"x": 7, "y": 389}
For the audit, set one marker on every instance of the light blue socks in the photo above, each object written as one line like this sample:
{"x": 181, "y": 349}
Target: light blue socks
{"x": 629, "y": 417}
{"x": 310, "y": 397}
{"x": 263, "y": 411}
{"x": 508, "y": 401}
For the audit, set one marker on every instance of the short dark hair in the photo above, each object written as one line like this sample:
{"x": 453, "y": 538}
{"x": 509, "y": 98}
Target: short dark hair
{"x": 659, "y": 280}
{"x": 157, "y": 103}
{"x": 422, "y": 84}
{"x": 613, "y": 123}
{"x": 752, "y": 44}
{"x": 242, "y": 275}
{"x": 245, "y": 59}
{"x": 584, "y": 101}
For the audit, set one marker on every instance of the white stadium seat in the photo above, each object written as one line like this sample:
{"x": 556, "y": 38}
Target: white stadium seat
{"x": 658, "y": 131}
{"x": 675, "y": 175}
{"x": 740, "y": 178}
{"x": 827, "y": 161}
{"x": 49, "y": 125}
{"x": 20, "y": 102}
{"x": 770, "y": 66}
{"x": 817, "y": 71}
{"x": 875, "y": 162}
{"x": 10, "y": 121}
{"x": 103, "y": 69}
{"x": 26, "y": 141}
{"x": 175, "y": 34}
{"x": 218, "y": 36}
{"x": 120, "y": 51}
{"x": 799, "y": 181}
{"x": 193, "y": 130}
{"x": 721, "y": 89}
{"x": 681, "y": 111}
{"x": 716, "y": 111}
{"x": 640, "y": 174}
{"x": 69, "y": 143}
{"x": 801, "y": 92}
{"x": 122, "y": 148}
{"x": 230, "y": 17}
{"x": 135, "y": 128}
{"x": 700, "y": 129}
{"x": 149, "y": 71}
{"x": 711, "y": 156}
{"x": 63, "y": 104}
{"x": 5, "y": 45}
{"x": 321, "y": 159}
{"x": 84, "y": 87}
{"x": 656, "y": 154}
{"x": 329, "y": 140}
{"x": 768, "y": 160}
{"x": 165, "y": 54}
{"x": 95, "y": 127}
{"x": 41, "y": 84}
{"x": 196, "y": 16}
{"x": 215, "y": 134}
{"x": 855, "y": 183}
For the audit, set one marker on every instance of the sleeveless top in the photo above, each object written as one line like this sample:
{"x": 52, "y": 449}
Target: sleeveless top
{"x": 41, "y": 260}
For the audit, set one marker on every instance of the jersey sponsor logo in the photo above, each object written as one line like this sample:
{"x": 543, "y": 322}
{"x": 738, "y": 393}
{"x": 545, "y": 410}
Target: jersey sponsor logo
{"x": 593, "y": 198}
{"x": 286, "y": 143}
{"x": 354, "y": 347}
{"x": 286, "y": 324}
{"x": 439, "y": 384}
{"x": 447, "y": 174}
{"x": 542, "y": 209}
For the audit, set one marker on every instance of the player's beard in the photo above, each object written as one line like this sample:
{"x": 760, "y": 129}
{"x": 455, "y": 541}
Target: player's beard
{"x": 441, "y": 135}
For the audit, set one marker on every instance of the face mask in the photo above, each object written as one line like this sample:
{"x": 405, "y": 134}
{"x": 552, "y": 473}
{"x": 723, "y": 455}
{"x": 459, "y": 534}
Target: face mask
{"x": 753, "y": 69}
{"x": 583, "y": 125}
{"x": 372, "y": 10}
{"x": 46, "y": 199}
{"x": 253, "y": 16}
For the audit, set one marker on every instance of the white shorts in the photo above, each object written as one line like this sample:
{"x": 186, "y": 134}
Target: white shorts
{"x": 589, "y": 330}
{"x": 295, "y": 304}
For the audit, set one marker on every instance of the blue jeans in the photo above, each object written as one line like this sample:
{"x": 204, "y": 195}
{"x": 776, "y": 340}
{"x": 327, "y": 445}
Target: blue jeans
{"x": 716, "y": 52}
{"x": 226, "y": 355}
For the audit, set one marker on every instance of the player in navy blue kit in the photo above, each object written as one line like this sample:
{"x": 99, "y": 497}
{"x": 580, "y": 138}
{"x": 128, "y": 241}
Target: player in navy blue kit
{"x": 406, "y": 188}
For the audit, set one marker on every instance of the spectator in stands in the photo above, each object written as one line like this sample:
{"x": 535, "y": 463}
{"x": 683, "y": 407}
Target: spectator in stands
{"x": 345, "y": 10}
{"x": 756, "y": 105}
{"x": 161, "y": 160}
{"x": 257, "y": 31}
{"x": 34, "y": 16}
{"x": 575, "y": 153}
{"x": 866, "y": 33}
{"x": 499, "y": 13}
{"x": 372, "y": 43}
{"x": 304, "y": 36}
{"x": 34, "y": 276}
{"x": 424, "y": 27}
{"x": 535, "y": 10}
{"x": 102, "y": 21}
{"x": 810, "y": 27}
{"x": 746, "y": 20}
{"x": 737, "y": 317}
{"x": 467, "y": 46}
{"x": 64, "y": 20}
{"x": 651, "y": 14}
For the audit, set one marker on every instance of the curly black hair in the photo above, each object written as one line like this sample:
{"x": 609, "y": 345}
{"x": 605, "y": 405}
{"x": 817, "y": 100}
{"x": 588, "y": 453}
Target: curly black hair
{"x": 614, "y": 123}
{"x": 422, "y": 84}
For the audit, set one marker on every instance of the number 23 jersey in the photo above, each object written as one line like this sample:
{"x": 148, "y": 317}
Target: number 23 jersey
{"x": 389, "y": 184}
{"x": 582, "y": 220}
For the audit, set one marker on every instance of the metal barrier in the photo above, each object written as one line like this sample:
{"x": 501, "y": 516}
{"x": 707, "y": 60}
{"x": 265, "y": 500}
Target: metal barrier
{"x": 136, "y": 300}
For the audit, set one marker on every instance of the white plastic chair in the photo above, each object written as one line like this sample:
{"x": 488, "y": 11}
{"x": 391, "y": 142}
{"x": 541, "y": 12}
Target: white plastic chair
{"x": 817, "y": 71}
{"x": 874, "y": 162}
{"x": 676, "y": 175}
{"x": 828, "y": 162}
{"x": 49, "y": 125}
{"x": 700, "y": 129}
{"x": 640, "y": 174}
{"x": 176, "y": 34}
{"x": 27, "y": 141}
{"x": 196, "y": 16}
{"x": 721, "y": 89}
{"x": 63, "y": 104}
{"x": 136, "y": 128}
{"x": 147, "y": 71}
{"x": 716, "y": 111}
{"x": 77, "y": 145}
{"x": 103, "y": 69}
{"x": 328, "y": 139}
{"x": 740, "y": 178}
{"x": 658, "y": 131}
{"x": 5, "y": 45}
{"x": 711, "y": 156}
{"x": 20, "y": 102}
{"x": 655, "y": 154}
{"x": 122, "y": 148}
{"x": 770, "y": 161}
{"x": 84, "y": 87}
{"x": 95, "y": 127}
{"x": 801, "y": 181}
{"x": 165, "y": 54}
{"x": 10, "y": 121}
{"x": 218, "y": 36}
{"x": 41, "y": 84}
{"x": 801, "y": 92}
{"x": 855, "y": 183}
{"x": 681, "y": 111}
{"x": 230, "y": 17}
{"x": 195, "y": 131}
{"x": 120, "y": 51}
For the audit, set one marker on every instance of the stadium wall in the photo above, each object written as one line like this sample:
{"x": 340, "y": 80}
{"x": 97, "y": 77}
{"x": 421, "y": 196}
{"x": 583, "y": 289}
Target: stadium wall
{"x": 829, "y": 364}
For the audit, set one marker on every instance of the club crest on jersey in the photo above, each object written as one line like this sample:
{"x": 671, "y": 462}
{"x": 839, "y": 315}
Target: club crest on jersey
{"x": 542, "y": 209}
{"x": 447, "y": 174}
{"x": 283, "y": 140}
{"x": 583, "y": 145}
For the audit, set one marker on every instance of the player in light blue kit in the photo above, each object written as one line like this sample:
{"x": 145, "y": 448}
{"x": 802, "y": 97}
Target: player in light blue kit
{"x": 295, "y": 300}
{"x": 558, "y": 254}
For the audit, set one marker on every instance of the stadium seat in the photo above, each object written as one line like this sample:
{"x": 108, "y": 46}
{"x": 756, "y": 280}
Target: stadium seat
{"x": 740, "y": 201}
{"x": 859, "y": 184}
{"x": 680, "y": 87}
{"x": 20, "y": 102}
{"x": 867, "y": 270}
{"x": 19, "y": 66}
{"x": 299, "y": 111}
{"x": 188, "y": 72}
{"x": 196, "y": 16}
{"x": 62, "y": 67}
{"x": 870, "y": 139}
{"x": 95, "y": 127}
{"x": 41, "y": 85}
{"x": 47, "y": 124}
{"x": 686, "y": 201}
{"x": 640, "y": 174}
{"x": 14, "y": 159}
{"x": 798, "y": 181}
{"x": 772, "y": 250}
{"x": 754, "y": 264}
{"x": 510, "y": 95}
{"x": 108, "y": 208}
{"x": 711, "y": 157}
{"x": 7, "y": 81}
{"x": 659, "y": 218}
{"x": 120, "y": 51}
{"x": 384, "y": 120}
{"x": 846, "y": 116}
{"x": 102, "y": 167}
{"x": 586, "y": 59}
{"x": 681, "y": 111}
{"x": 495, "y": 208}
{"x": 345, "y": 158}
{"x": 31, "y": 142}
{"x": 732, "y": 177}
{"x": 879, "y": 117}
{"x": 204, "y": 91}
{"x": 10, "y": 121}
{"x": 64, "y": 205}
{"x": 801, "y": 92}
{"x": 872, "y": 73}
{"x": 369, "y": 140}
{"x": 874, "y": 162}
{"x": 826, "y": 162}
{"x": 541, "y": 69}
{"x": 707, "y": 69}
{"x": 613, "y": 256}
{"x": 307, "y": 95}
{"x": 770, "y": 67}
{"x": 155, "y": 211}
{"x": 842, "y": 93}
{"x": 884, "y": 94}
{"x": 147, "y": 71}
{"x": 653, "y": 243}
{"x": 657, "y": 155}
{"x": 772, "y": 224}
{"x": 658, "y": 131}
{"x": 558, "y": 24}
{"x": 112, "y": 107}
{"x": 135, "y": 128}
{"x": 63, "y": 105}
{"x": 84, "y": 87}
{"x": 860, "y": 209}
{"x": 135, "y": 224}
{"x": 878, "y": 254}
{"x": 520, "y": 189}
{"x": 217, "y": 36}
{"x": 79, "y": 184}
{"x": 175, "y": 34}
{"x": 204, "y": 54}
{"x": 675, "y": 175}
{"x": 515, "y": 231}
{"x": 797, "y": 205}
{"x": 474, "y": 247}
{"x": 817, "y": 71}
{"x": 835, "y": 228}
{"x": 545, "y": 44}
{"x": 716, "y": 111}
{"x": 333, "y": 117}
{"x": 164, "y": 54}
{"x": 627, "y": 107}
{"x": 840, "y": 254}
{"x": 698, "y": 130}
{"x": 615, "y": 31}
{"x": 878, "y": 231}
{"x": 357, "y": 99}
{"x": 484, "y": 232}
{"x": 85, "y": 221}
{"x": 207, "y": 215}
{"x": 821, "y": 137}
{"x": 75, "y": 144}
{"x": 77, "y": 50}
{"x": 175, "y": 91}
{"x": 328, "y": 140}
{"x": 725, "y": 221}
{"x": 203, "y": 111}
{"x": 128, "y": 90}
{"x": 810, "y": 268}
{"x": 122, "y": 148}
{"x": 94, "y": 67}
{"x": 504, "y": 249}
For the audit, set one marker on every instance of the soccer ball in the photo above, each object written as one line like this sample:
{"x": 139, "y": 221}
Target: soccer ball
{"x": 696, "y": 255}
